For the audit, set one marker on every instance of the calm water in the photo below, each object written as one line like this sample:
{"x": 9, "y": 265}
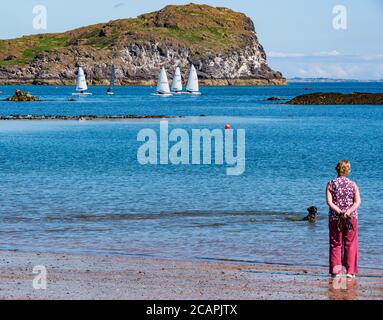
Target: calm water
{"x": 77, "y": 186}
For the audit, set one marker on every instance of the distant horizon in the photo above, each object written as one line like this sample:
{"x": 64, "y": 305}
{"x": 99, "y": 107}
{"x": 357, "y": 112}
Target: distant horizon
{"x": 334, "y": 79}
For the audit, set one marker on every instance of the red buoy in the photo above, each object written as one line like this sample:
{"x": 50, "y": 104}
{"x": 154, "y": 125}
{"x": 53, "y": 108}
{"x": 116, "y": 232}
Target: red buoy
{"x": 227, "y": 127}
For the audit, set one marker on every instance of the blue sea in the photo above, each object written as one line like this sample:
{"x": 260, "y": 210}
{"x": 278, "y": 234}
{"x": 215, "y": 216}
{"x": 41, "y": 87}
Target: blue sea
{"x": 77, "y": 187}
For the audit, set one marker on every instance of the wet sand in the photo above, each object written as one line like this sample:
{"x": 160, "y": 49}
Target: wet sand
{"x": 100, "y": 277}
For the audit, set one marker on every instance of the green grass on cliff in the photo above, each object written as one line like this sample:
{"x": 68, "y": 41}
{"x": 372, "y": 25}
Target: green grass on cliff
{"x": 23, "y": 50}
{"x": 199, "y": 27}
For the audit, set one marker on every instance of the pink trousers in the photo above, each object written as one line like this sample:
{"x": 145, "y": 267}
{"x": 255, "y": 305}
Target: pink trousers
{"x": 342, "y": 238}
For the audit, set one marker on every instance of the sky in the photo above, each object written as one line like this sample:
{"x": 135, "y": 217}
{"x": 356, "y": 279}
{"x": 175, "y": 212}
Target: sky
{"x": 299, "y": 36}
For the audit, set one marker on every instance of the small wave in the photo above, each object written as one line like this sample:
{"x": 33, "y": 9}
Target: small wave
{"x": 247, "y": 216}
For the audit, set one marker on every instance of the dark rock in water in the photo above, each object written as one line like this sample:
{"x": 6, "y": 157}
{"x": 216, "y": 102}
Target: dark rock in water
{"x": 273, "y": 99}
{"x": 21, "y": 96}
{"x": 83, "y": 117}
{"x": 331, "y": 98}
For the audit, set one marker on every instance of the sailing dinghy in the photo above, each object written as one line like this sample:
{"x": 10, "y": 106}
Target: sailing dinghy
{"x": 81, "y": 85}
{"x": 177, "y": 82}
{"x": 112, "y": 80}
{"x": 163, "y": 89}
{"x": 193, "y": 85}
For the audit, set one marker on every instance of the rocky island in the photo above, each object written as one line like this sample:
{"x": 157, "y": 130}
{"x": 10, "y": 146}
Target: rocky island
{"x": 221, "y": 43}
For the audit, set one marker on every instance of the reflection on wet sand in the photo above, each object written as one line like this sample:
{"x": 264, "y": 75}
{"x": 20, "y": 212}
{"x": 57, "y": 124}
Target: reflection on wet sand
{"x": 343, "y": 289}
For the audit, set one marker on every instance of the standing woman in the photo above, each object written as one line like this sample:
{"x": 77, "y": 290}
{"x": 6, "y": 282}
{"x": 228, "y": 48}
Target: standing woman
{"x": 343, "y": 198}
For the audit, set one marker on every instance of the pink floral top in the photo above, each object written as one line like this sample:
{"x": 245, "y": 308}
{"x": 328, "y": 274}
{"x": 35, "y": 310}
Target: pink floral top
{"x": 343, "y": 194}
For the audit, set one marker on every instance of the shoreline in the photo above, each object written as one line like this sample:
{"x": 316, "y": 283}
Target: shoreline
{"x": 146, "y": 83}
{"x": 76, "y": 277}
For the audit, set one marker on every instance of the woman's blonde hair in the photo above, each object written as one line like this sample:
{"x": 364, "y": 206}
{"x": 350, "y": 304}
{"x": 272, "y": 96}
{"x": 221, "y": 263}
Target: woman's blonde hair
{"x": 343, "y": 168}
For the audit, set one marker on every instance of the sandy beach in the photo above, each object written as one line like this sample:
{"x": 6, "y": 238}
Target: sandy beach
{"x": 100, "y": 277}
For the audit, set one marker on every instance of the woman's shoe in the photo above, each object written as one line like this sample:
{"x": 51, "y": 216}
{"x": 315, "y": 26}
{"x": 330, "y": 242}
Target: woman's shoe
{"x": 350, "y": 276}
{"x": 336, "y": 276}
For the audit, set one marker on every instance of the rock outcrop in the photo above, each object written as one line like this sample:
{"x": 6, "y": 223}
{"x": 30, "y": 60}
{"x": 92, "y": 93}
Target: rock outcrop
{"x": 333, "y": 98}
{"x": 21, "y": 96}
{"x": 221, "y": 43}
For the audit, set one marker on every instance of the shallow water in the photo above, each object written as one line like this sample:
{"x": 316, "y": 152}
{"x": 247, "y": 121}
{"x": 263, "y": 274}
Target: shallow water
{"x": 70, "y": 186}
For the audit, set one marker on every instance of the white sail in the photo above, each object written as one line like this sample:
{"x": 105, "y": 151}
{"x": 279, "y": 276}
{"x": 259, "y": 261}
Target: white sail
{"x": 81, "y": 81}
{"x": 177, "y": 81}
{"x": 193, "y": 86}
{"x": 163, "y": 83}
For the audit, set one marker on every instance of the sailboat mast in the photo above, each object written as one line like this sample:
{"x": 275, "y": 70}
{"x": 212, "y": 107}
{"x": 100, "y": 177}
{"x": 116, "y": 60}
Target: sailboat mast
{"x": 113, "y": 77}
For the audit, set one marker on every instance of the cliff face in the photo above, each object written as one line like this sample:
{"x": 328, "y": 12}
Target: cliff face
{"x": 221, "y": 43}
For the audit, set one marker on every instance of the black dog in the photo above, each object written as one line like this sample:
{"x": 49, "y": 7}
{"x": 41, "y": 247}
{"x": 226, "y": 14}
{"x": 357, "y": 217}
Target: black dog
{"x": 312, "y": 216}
